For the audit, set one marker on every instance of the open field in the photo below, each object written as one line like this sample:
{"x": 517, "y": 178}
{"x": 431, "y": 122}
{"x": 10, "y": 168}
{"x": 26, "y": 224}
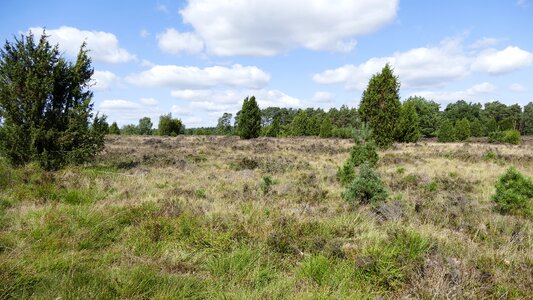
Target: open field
{"x": 217, "y": 217}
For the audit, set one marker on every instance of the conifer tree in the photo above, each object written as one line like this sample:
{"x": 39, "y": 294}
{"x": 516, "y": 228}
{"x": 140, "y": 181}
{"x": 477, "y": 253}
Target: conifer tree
{"x": 408, "y": 128}
{"x": 462, "y": 129}
{"x": 446, "y": 132}
{"x": 326, "y": 127}
{"x": 249, "y": 119}
{"x": 113, "y": 129}
{"x": 380, "y": 106}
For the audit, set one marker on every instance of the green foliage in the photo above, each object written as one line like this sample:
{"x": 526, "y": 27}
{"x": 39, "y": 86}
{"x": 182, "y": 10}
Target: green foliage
{"x": 342, "y": 133}
{"x": 130, "y": 129}
{"x": 364, "y": 152}
{"x": 169, "y": 126}
{"x": 45, "y": 105}
{"x": 507, "y": 124}
{"x": 507, "y": 136}
{"x": 224, "y": 124}
{"x": 145, "y": 126}
{"x": 462, "y": 129}
{"x": 266, "y": 184}
{"x": 491, "y": 126}
{"x": 527, "y": 119}
{"x": 317, "y": 268}
{"x": 408, "y": 126}
{"x": 300, "y": 124}
{"x": 366, "y": 188}
{"x": 514, "y": 193}
{"x": 326, "y": 127}
{"x": 314, "y": 125}
{"x": 380, "y": 106}
{"x": 476, "y": 129}
{"x": 346, "y": 173}
{"x": 113, "y": 129}
{"x": 428, "y": 114}
{"x": 274, "y": 129}
{"x": 461, "y": 109}
{"x": 446, "y": 132}
{"x": 249, "y": 119}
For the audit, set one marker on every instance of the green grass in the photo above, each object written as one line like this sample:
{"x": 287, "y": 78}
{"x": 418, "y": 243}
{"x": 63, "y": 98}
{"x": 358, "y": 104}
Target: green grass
{"x": 200, "y": 218}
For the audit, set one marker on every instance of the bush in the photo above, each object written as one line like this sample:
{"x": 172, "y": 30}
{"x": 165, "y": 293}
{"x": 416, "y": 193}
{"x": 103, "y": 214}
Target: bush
{"x": 366, "y": 188}
{"x": 169, "y": 126}
{"x": 113, "y": 129}
{"x": 446, "y": 132}
{"x": 462, "y": 129}
{"x": 45, "y": 105}
{"x": 514, "y": 193}
{"x": 266, "y": 184}
{"x": 342, "y": 133}
{"x": 364, "y": 152}
{"x": 326, "y": 128}
{"x": 346, "y": 173}
{"x": 508, "y": 136}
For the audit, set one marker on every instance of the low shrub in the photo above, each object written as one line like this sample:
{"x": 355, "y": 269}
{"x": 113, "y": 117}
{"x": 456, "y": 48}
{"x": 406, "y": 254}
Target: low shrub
{"x": 366, "y": 188}
{"x": 364, "y": 152}
{"x": 508, "y": 136}
{"x": 266, "y": 184}
{"x": 514, "y": 193}
{"x": 346, "y": 173}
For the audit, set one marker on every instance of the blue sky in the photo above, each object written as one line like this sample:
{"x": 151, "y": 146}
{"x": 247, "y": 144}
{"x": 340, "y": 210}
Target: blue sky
{"x": 200, "y": 58}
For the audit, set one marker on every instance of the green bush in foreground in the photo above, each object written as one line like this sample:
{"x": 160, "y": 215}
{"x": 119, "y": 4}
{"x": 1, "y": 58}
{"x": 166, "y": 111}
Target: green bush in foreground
{"x": 366, "y": 152}
{"x": 508, "y": 136}
{"x": 514, "y": 193}
{"x": 366, "y": 188}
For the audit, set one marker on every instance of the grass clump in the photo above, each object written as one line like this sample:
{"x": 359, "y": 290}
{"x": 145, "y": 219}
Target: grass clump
{"x": 266, "y": 184}
{"x": 316, "y": 268}
{"x": 367, "y": 187}
{"x": 514, "y": 193}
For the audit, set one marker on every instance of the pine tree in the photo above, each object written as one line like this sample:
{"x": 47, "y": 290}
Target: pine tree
{"x": 408, "y": 128}
{"x": 462, "y": 129}
{"x": 380, "y": 106}
{"x": 113, "y": 129}
{"x": 326, "y": 127}
{"x": 46, "y": 105}
{"x": 249, "y": 119}
{"x": 527, "y": 119}
{"x": 446, "y": 132}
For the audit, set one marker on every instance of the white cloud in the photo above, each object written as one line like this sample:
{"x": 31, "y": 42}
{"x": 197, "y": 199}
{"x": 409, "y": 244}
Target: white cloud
{"x": 127, "y": 112}
{"x": 175, "y": 42}
{"x": 187, "y": 77}
{"x": 419, "y": 67}
{"x": 103, "y": 46}
{"x": 148, "y": 101}
{"x": 504, "y": 61}
{"x": 144, "y": 33}
{"x": 103, "y": 80}
{"x": 162, "y": 8}
{"x": 430, "y": 66}
{"x": 323, "y": 97}
{"x": 264, "y": 28}
{"x": 477, "y": 92}
{"x": 484, "y": 42}
{"x": 516, "y": 87}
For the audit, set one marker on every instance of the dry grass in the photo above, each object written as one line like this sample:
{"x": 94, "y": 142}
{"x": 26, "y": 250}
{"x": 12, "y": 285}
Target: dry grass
{"x": 187, "y": 217}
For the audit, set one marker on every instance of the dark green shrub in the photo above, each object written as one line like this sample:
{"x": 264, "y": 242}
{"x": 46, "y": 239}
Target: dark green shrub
{"x": 266, "y": 184}
{"x": 249, "y": 119}
{"x": 462, "y": 129}
{"x": 46, "y": 105}
{"x": 407, "y": 128}
{"x": 113, "y": 129}
{"x": 346, "y": 173}
{"x": 169, "y": 126}
{"x": 364, "y": 152}
{"x": 507, "y": 136}
{"x": 446, "y": 132}
{"x": 514, "y": 193}
{"x": 366, "y": 188}
{"x": 342, "y": 133}
{"x": 326, "y": 128}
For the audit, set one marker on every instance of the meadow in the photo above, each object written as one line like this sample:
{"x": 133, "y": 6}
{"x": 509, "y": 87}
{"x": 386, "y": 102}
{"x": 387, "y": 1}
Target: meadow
{"x": 210, "y": 217}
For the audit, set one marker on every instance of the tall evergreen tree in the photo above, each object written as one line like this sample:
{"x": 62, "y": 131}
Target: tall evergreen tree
{"x": 462, "y": 129}
{"x": 476, "y": 129}
{"x": 428, "y": 115}
{"x": 274, "y": 128}
{"x": 380, "y": 106}
{"x": 249, "y": 119}
{"x": 408, "y": 128}
{"x": 46, "y": 105}
{"x": 300, "y": 124}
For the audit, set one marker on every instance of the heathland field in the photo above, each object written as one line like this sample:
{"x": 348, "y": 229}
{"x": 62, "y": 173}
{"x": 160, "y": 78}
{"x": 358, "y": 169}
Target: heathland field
{"x": 218, "y": 217}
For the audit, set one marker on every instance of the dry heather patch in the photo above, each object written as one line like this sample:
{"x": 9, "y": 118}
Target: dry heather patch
{"x": 208, "y": 217}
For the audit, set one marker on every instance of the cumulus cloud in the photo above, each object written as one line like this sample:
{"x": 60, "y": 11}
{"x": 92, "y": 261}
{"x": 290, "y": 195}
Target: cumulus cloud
{"x": 430, "y": 66}
{"x": 265, "y": 28}
{"x": 419, "y": 67}
{"x": 104, "y": 46}
{"x": 127, "y": 111}
{"x": 187, "y": 77}
{"x": 504, "y": 61}
{"x": 484, "y": 42}
{"x": 516, "y": 87}
{"x": 103, "y": 80}
{"x": 477, "y": 92}
{"x": 175, "y": 42}
{"x": 323, "y": 97}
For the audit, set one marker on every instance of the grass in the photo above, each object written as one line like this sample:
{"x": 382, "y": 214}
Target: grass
{"x": 216, "y": 217}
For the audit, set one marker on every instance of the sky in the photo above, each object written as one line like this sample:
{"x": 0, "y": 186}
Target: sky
{"x": 198, "y": 59}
